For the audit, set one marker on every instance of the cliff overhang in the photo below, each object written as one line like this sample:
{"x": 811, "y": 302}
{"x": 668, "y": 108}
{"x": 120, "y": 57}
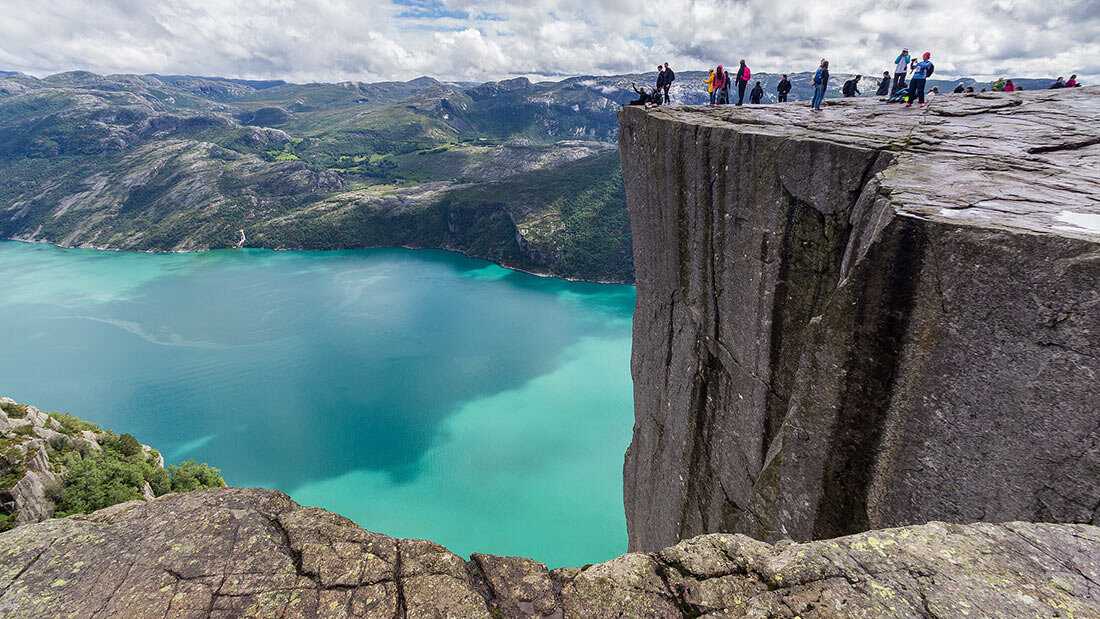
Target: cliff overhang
{"x": 866, "y": 317}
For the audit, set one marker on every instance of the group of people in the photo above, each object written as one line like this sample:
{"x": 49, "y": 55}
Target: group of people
{"x": 897, "y": 88}
{"x": 719, "y": 84}
{"x": 914, "y": 90}
{"x": 659, "y": 94}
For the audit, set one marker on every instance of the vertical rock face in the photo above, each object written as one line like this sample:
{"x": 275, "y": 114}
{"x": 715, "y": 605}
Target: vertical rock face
{"x": 863, "y": 319}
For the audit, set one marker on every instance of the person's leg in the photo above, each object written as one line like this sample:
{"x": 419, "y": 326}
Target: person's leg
{"x": 666, "y": 94}
{"x": 918, "y": 86}
{"x": 741, "y": 92}
{"x": 712, "y": 97}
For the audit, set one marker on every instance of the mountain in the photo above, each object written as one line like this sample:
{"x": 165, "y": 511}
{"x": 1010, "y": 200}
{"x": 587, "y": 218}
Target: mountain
{"x": 524, "y": 174}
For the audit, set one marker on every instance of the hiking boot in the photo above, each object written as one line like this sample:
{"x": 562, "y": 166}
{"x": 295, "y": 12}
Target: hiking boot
{"x": 908, "y": 105}
{"x": 922, "y": 105}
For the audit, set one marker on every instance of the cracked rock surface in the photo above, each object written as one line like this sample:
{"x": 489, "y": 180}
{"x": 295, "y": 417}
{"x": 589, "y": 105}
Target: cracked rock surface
{"x": 237, "y": 552}
{"x": 864, "y": 318}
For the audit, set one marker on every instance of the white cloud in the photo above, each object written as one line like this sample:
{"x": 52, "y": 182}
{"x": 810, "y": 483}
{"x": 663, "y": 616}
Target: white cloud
{"x": 334, "y": 40}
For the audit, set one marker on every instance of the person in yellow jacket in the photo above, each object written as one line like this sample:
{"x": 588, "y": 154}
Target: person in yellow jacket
{"x": 709, "y": 81}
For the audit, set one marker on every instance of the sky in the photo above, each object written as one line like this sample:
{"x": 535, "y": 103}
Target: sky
{"x": 462, "y": 40}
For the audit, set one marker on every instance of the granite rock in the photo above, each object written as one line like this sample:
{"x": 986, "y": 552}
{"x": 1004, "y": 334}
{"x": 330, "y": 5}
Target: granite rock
{"x": 864, "y": 318}
{"x": 236, "y": 552}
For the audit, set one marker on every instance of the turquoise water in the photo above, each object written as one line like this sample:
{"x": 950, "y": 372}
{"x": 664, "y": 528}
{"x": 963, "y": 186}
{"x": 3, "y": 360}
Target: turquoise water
{"x": 419, "y": 393}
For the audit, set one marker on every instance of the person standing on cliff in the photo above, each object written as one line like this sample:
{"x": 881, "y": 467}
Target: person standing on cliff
{"x": 743, "y": 75}
{"x": 660, "y": 78}
{"x": 721, "y": 86}
{"x": 709, "y": 81}
{"x": 901, "y": 68}
{"x": 669, "y": 76}
{"x": 821, "y": 82}
{"x": 921, "y": 71}
{"x": 783, "y": 89}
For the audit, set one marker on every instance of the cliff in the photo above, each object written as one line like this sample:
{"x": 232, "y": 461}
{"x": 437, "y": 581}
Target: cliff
{"x": 256, "y": 553}
{"x": 864, "y": 318}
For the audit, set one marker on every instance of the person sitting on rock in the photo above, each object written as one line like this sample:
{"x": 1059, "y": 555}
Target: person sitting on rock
{"x": 850, "y": 88}
{"x": 643, "y": 96}
{"x": 884, "y": 85}
{"x": 1009, "y": 86}
{"x": 757, "y": 94}
{"x": 1072, "y": 81}
{"x": 970, "y": 90}
{"x": 783, "y": 89}
{"x": 959, "y": 89}
{"x": 998, "y": 85}
{"x": 1060, "y": 83}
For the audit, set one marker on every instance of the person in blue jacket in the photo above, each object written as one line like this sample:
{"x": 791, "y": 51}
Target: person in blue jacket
{"x": 821, "y": 82}
{"x": 921, "y": 71}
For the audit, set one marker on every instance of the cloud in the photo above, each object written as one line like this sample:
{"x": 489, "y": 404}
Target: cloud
{"x": 335, "y": 40}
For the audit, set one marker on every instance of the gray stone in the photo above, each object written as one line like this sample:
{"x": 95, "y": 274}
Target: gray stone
{"x": 29, "y": 495}
{"x": 864, "y": 318}
{"x": 235, "y": 552}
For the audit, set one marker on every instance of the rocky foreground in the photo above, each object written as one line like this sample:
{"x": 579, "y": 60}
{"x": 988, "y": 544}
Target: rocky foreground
{"x": 250, "y": 552}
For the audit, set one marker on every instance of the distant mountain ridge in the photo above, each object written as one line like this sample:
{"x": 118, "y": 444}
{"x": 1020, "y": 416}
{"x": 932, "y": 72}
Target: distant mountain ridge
{"x": 526, "y": 175}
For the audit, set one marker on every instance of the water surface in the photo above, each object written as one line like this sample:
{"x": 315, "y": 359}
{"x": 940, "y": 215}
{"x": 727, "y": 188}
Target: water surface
{"x": 419, "y": 393}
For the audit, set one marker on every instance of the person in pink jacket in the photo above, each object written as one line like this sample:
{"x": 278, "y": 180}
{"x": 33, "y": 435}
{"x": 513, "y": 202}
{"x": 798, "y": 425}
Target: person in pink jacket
{"x": 743, "y": 75}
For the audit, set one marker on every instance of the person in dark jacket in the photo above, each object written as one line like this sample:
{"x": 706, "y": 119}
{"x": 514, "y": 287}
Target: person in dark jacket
{"x": 851, "y": 87}
{"x": 643, "y": 96}
{"x": 958, "y": 89}
{"x": 1061, "y": 83}
{"x": 660, "y": 78}
{"x": 821, "y": 82}
{"x": 669, "y": 77}
{"x": 884, "y": 85}
{"x": 757, "y": 93}
{"x": 743, "y": 74}
{"x": 783, "y": 89}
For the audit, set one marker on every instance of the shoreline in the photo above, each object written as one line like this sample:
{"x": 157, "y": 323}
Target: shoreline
{"x": 411, "y": 247}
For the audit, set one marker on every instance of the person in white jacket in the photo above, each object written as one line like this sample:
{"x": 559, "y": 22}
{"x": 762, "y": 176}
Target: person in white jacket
{"x": 901, "y": 68}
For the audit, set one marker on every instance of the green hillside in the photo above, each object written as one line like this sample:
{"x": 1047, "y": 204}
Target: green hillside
{"x": 520, "y": 173}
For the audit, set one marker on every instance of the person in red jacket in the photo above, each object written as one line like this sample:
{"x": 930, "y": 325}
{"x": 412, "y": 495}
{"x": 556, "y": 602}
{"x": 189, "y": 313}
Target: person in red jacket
{"x": 743, "y": 75}
{"x": 720, "y": 85}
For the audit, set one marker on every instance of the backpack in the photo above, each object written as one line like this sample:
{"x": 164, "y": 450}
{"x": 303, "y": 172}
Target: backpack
{"x": 931, "y": 68}
{"x": 747, "y": 74}
{"x": 849, "y": 86}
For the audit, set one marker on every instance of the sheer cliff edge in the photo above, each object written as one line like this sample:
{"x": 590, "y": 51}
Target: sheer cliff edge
{"x": 864, "y": 318}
